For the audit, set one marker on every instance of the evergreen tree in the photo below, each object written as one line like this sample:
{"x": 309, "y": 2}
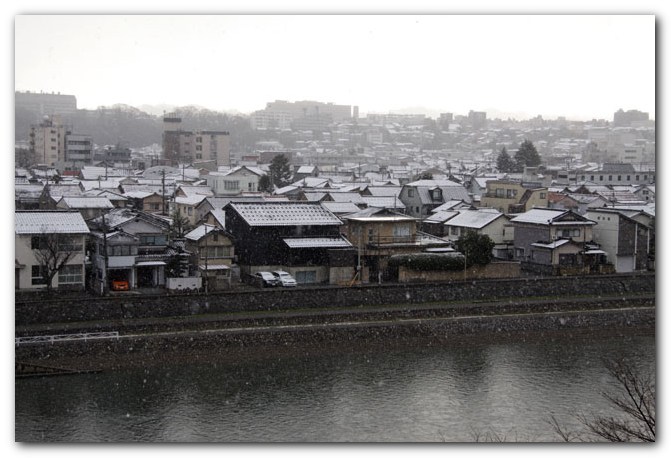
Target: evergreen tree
{"x": 504, "y": 162}
{"x": 264, "y": 184}
{"x": 280, "y": 171}
{"x": 476, "y": 247}
{"x": 527, "y": 156}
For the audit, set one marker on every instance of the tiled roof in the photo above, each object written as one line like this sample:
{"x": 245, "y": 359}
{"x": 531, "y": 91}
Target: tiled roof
{"x": 318, "y": 242}
{"x": 285, "y": 214}
{"x": 57, "y": 222}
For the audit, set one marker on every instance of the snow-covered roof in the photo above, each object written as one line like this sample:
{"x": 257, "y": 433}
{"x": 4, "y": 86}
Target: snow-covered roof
{"x": 384, "y": 191}
{"x": 538, "y": 216}
{"x": 194, "y": 199}
{"x": 450, "y": 205}
{"x": 341, "y": 207}
{"x": 346, "y": 197}
{"x": 317, "y": 242}
{"x": 201, "y": 231}
{"x": 441, "y": 216}
{"x": 552, "y": 245}
{"x": 473, "y": 218}
{"x": 49, "y": 222}
{"x": 285, "y": 214}
{"x": 383, "y": 202}
{"x": 86, "y": 202}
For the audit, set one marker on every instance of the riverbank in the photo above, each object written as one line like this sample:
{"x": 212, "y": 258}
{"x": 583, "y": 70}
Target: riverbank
{"x": 157, "y": 342}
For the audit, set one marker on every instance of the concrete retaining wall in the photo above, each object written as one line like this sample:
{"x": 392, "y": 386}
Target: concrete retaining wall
{"x": 137, "y": 306}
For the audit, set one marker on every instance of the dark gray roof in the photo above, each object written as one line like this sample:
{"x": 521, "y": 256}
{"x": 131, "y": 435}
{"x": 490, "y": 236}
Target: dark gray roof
{"x": 285, "y": 214}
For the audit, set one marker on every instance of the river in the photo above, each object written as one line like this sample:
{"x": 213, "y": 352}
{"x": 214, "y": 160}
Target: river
{"x": 473, "y": 389}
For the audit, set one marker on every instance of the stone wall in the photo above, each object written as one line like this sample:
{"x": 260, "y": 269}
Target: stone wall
{"x": 491, "y": 270}
{"x": 138, "y": 306}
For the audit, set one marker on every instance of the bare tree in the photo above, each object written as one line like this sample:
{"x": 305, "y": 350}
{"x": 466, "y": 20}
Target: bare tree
{"x": 53, "y": 251}
{"x": 635, "y": 400}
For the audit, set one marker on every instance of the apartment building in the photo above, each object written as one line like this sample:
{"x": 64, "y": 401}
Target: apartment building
{"x": 183, "y": 146}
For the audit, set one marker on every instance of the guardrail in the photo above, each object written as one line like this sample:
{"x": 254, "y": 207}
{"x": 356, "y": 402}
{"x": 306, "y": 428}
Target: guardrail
{"x": 65, "y": 338}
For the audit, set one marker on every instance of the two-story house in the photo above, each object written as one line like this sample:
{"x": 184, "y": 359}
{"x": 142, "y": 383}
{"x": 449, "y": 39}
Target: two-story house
{"x": 89, "y": 207}
{"x": 129, "y": 246}
{"x": 240, "y": 179}
{"x": 212, "y": 252}
{"x": 508, "y": 196}
{"x": 302, "y": 238}
{"x": 49, "y": 246}
{"x": 626, "y": 240}
{"x": 422, "y": 196}
{"x": 377, "y": 234}
{"x": 548, "y": 241}
{"x": 485, "y": 221}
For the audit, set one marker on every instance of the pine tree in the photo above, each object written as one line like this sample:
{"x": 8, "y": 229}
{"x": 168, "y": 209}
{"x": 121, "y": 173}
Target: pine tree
{"x": 280, "y": 171}
{"x": 505, "y": 163}
{"x": 527, "y": 156}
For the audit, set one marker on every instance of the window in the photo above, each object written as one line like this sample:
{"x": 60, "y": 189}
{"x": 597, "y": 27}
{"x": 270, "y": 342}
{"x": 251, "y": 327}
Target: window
{"x": 566, "y": 233}
{"x": 591, "y": 178}
{"x": 500, "y": 192}
{"x": 628, "y": 177}
{"x": 543, "y": 195}
{"x": 371, "y": 234}
{"x": 600, "y": 177}
{"x": 231, "y": 185}
{"x": 582, "y": 177}
{"x": 610, "y": 177}
{"x": 213, "y": 252}
{"x": 152, "y": 240}
{"x": 122, "y": 250}
{"x": 401, "y": 230}
{"x": 70, "y": 274}
{"x": 511, "y": 193}
{"x": 454, "y": 230}
{"x": 411, "y": 192}
{"x": 619, "y": 178}
{"x": 189, "y": 211}
{"x": 37, "y": 275}
{"x": 638, "y": 177}
{"x": 70, "y": 243}
{"x": 199, "y": 147}
{"x": 35, "y": 242}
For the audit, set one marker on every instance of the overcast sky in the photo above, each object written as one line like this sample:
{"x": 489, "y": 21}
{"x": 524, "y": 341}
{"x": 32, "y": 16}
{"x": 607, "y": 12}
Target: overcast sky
{"x": 579, "y": 66}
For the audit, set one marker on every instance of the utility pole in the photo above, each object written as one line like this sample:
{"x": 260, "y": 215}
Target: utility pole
{"x": 105, "y": 256}
{"x": 163, "y": 190}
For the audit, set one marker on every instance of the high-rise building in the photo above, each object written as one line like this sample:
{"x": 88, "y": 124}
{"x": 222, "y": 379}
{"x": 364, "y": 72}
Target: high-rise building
{"x": 45, "y": 103}
{"x": 629, "y": 118}
{"x": 47, "y": 141}
{"x": 53, "y": 143}
{"x": 181, "y": 146}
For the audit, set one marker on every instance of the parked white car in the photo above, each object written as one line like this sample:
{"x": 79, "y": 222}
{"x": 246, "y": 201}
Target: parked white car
{"x": 285, "y": 278}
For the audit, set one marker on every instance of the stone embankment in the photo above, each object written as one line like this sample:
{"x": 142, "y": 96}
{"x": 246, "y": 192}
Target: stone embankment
{"x": 150, "y": 328}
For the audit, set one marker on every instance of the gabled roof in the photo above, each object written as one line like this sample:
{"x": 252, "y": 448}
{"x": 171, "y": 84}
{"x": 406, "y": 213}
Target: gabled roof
{"x": 284, "y": 214}
{"x": 49, "y": 222}
{"x": 546, "y": 216}
{"x": 86, "y": 202}
{"x": 201, "y": 231}
{"x": 341, "y": 207}
{"x": 383, "y": 202}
